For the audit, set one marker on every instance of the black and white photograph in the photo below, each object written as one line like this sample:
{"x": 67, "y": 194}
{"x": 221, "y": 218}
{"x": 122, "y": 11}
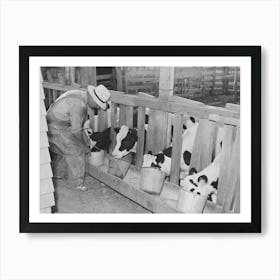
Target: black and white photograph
{"x": 157, "y": 133}
{"x": 140, "y": 140}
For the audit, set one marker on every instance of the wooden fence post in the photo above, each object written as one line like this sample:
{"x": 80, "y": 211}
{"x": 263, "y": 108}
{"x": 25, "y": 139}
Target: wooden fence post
{"x": 235, "y": 83}
{"x": 214, "y": 81}
{"x": 119, "y": 79}
{"x": 159, "y": 121}
{"x": 225, "y": 80}
{"x": 88, "y": 77}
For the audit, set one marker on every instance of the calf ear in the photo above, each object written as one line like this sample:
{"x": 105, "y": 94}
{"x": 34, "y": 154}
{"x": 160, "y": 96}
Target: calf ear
{"x": 192, "y": 171}
{"x": 192, "y": 119}
{"x": 160, "y": 158}
{"x": 204, "y": 178}
{"x": 117, "y": 129}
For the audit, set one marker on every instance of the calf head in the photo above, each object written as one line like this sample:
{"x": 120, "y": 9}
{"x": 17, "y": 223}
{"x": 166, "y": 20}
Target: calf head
{"x": 201, "y": 186}
{"x": 126, "y": 139}
{"x": 101, "y": 139}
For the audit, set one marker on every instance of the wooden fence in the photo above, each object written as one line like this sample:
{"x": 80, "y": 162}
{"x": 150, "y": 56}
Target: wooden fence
{"x": 188, "y": 81}
{"x": 74, "y": 77}
{"x": 210, "y": 119}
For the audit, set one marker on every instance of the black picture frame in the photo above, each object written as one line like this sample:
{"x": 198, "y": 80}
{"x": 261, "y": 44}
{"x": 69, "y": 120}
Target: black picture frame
{"x": 25, "y": 52}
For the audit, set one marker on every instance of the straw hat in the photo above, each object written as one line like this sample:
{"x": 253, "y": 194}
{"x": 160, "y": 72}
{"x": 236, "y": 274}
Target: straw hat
{"x": 100, "y": 95}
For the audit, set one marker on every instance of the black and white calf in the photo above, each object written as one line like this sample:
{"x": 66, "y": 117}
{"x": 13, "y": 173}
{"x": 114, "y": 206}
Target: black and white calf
{"x": 126, "y": 141}
{"x": 204, "y": 182}
{"x": 98, "y": 140}
{"x": 162, "y": 160}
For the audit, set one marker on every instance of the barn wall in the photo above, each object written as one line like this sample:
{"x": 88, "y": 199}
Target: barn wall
{"x": 46, "y": 184}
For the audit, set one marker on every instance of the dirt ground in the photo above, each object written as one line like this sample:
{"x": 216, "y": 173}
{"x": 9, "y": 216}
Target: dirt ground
{"x": 97, "y": 199}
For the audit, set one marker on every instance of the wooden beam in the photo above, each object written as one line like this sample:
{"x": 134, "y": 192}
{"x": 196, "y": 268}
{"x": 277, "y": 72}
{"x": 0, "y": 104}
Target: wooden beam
{"x": 151, "y": 202}
{"x": 113, "y": 116}
{"x": 166, "y": 82}
{"x": 176, "y": 149}
{"x": 157, "y": 104}
{"x": 233, "y": 107}
{"x": 225, "y": 176}
{"x": 141, "y": 136}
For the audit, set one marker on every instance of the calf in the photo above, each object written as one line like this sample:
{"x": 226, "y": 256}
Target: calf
{"x": 102, "y": 140}
{"x": 162, "y": 160}
{"x": 98, "y": 140}
{"x": 126, "y": 141}
{"x": 204, "y": 182}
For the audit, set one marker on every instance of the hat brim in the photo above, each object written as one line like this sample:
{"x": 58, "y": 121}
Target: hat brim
{"x": 102, "y": 105}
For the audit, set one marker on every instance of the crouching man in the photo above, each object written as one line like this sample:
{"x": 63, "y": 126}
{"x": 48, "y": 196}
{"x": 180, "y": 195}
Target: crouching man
{"x": 68, "y": 142}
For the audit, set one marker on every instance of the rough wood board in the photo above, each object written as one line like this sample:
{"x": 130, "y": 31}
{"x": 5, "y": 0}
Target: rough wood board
{"x": 166, "y": 82}
{"x": 44, "y": 140}
{"x": 198, "y": 145}
{"x": 43, "y": 123}
{"x": 42, "y": 107}
{"x": 113, "y": 109}
{"x": 44, "y": 155}
{"x": 208, "y": 143}
{"x": 178, "y": 99}
{"x": 122, "y": 120}
{"x": 233, "y": 107}
{"x": 46, "y": 186}
{"x": 176, "y": 149}
{"x": 151, "y": 202}
{"x": 45, "y": 171}
{"x": 102, "y": 120}
{"x": 46, "y": 200}
{"x": 225, "y": 175}
{"x": 141, "y": 136}
{"x": 171, "y": 107}
{"x": 236, "y": 207}
{"x": 47, "y": 210}
{"x": 234, "y": 174}
{"x": 160, "y": 130}
{"x": 129, "y": 116}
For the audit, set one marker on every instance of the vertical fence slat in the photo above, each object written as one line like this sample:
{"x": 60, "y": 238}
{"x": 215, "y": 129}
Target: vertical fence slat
{"x": 129, "y": 116}
{"x": 141, "y": 136}
{"x": 113, "y": 109}
{"x": 168, "y": 130}
{"x": 150, "y": 133}
{"x": 237, "y": 199}
{"x": 72, "y": 75}
{"x": 67, "y": 75}
{"x": 225, "y": 81}
{"x": 122, "y": 118}
{"x": 225, "y": 164}
{"x": 208, "y": 143}
{"x": 102, "y": 120}
{"x": 176, "y": 149}
{"x": 92, "y": 119}
{"x": 50, "y": 99}
{"x": 202, "y": 155}
{"x": 233, "y": 175}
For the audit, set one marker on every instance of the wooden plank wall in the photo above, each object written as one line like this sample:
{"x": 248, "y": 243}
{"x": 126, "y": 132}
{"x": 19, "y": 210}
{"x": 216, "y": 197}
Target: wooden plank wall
{"x": 46, "y": 184}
